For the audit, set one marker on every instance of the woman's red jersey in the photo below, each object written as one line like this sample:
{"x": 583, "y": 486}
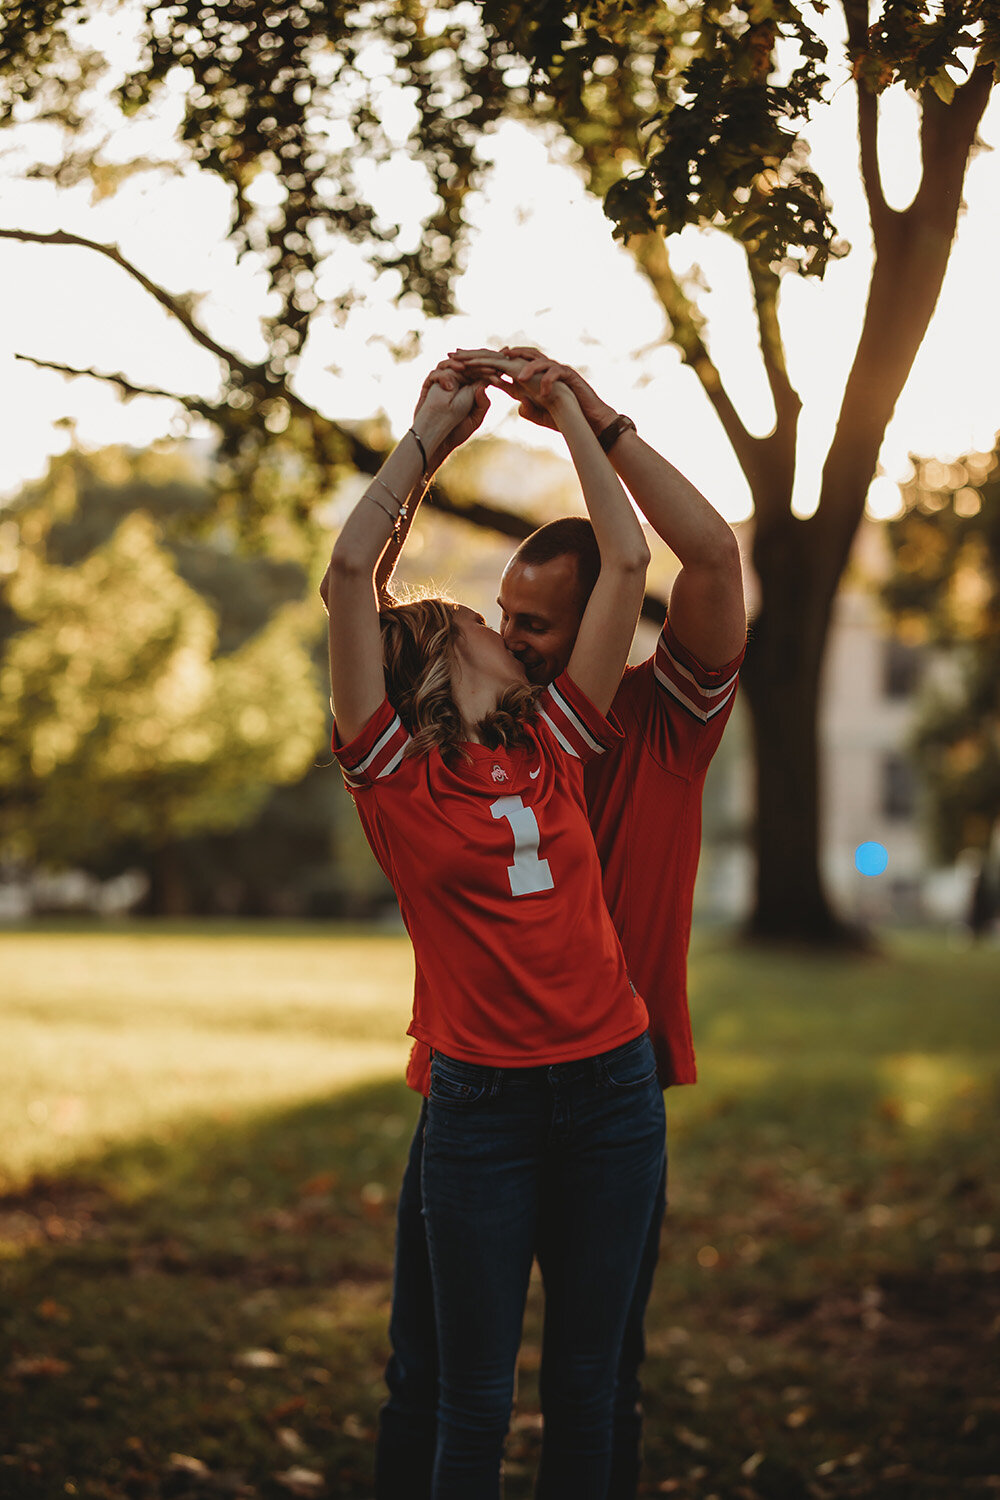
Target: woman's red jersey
{"x": 517, "y": 961}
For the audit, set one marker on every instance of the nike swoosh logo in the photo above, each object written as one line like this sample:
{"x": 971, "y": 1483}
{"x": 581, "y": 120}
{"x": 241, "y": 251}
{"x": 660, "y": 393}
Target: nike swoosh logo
{"x": 534, "y": 774}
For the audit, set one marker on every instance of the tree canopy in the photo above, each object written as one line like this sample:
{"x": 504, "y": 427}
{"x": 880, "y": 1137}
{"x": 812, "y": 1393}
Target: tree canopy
{"x": 140, "y": 670}
{"x": 677, "y": 114}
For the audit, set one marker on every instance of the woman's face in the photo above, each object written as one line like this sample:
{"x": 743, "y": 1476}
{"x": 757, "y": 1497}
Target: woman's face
{"x": 481, "y": 656}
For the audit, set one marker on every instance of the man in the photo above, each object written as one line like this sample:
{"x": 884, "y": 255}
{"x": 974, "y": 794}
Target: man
{"x": 644, "y": 803}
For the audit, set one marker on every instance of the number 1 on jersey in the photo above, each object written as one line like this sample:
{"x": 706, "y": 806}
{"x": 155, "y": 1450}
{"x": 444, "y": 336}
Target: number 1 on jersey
{"x": 528, "y": 874}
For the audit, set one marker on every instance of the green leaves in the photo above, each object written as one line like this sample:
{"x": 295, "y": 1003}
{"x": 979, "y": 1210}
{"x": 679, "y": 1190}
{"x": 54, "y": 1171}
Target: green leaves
{"x": 121, "y": 718}
{"x": 709, "y": 97}
{"x": 694, "y": 92}
{"x": 916, "y": 42}
{"x": 945, "y": 590}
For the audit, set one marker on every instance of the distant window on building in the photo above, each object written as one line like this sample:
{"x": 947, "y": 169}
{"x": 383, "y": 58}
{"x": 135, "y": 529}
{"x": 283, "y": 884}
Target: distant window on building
{"x": 899, "y": 788}
{"x": 900, "y": 669}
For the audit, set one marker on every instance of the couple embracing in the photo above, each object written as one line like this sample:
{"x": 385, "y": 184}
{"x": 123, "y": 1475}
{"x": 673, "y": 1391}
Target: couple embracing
{"x": 536, "y": 805}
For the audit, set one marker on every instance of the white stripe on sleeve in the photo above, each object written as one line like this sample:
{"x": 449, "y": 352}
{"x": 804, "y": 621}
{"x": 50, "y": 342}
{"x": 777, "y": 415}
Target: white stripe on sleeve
{"x": 576, "y": 722}
{"x": 380, "y": 744}
{"x": 559, "y": 735}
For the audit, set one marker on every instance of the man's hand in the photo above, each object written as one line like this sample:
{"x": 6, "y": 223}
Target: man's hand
{"x": 536, "y": 384}
{"x": 466, "y": 390}
{"x": 539, "y": 367}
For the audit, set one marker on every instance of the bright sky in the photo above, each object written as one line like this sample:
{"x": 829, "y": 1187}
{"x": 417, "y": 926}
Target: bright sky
{"x": 542, "y": 268}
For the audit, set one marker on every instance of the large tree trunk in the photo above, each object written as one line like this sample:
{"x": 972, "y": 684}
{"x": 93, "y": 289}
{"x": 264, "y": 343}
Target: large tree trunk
{"x": 781, "y": 681}
{"x": 800, "y": 562}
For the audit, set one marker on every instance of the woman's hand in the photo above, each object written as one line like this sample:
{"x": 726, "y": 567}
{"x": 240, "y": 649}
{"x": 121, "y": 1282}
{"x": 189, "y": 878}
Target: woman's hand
{"x": 535, "y": 384}
{"x": 451, "y": 391}
{"x": 538, "y": 367}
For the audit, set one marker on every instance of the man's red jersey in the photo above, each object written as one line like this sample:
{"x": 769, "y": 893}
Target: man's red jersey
{"x": 517, "y": 961}
{"x": 644, "y": 803}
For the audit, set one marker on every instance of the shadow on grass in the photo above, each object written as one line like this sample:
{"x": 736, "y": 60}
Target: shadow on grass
{"x": 220, "y": 1292}
{"x": 204, "y": 1312}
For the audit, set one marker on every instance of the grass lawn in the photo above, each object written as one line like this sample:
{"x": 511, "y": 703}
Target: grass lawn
{"x": 201, "y": 1135}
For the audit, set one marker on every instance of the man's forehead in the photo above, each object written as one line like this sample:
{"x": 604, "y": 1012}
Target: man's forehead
{"x": 532, "y": 586}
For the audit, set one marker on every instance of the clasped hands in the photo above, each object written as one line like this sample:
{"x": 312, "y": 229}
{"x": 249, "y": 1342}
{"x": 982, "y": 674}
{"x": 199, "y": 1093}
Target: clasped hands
{"x": 536, "y": 382}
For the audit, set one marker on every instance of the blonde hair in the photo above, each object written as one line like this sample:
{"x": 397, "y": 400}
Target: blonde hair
{"x": 419, "y": 641}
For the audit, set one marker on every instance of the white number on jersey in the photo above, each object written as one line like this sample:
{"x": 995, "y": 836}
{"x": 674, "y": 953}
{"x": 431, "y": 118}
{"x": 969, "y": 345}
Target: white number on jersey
{"x": 528, "y": 874}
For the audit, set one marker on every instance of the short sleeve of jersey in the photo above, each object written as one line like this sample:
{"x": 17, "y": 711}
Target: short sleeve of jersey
{"x": 579, "y": 729}
{"x": 375, "y": 752}
{"x": 706, "y": 693}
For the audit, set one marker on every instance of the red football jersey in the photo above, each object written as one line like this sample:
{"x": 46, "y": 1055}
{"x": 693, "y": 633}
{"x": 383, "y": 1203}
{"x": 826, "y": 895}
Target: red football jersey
{"x": 644, "y": 803}
{"x": 517, "y": 961}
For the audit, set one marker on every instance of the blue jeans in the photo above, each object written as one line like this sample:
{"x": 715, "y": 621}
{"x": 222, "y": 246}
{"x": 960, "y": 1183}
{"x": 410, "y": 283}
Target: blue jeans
{"x": 567, "y": 1162}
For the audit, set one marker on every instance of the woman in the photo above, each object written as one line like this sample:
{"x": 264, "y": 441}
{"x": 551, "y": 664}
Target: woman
{"x": 545, "y": 1124}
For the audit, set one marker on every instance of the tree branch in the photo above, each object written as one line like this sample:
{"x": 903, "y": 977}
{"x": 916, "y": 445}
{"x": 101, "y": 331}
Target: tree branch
{"x": 195, "y": 404}
{"x": 947, "y": 135}
{"x": 765, "y": 283}
{"x": 650, "y": 253}
{"x": 879, "y": 213}
{"x": 774, "y": 496}
{"x": 247, "y": 374}
{"x": 367, "y": 459}
{"x": 906, "y": 282}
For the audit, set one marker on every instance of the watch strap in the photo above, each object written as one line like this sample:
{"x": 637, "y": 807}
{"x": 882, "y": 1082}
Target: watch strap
{"x": 609, "y": 435}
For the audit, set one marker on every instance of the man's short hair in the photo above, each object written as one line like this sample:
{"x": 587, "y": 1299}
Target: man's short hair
{"x": 570, "y": 536}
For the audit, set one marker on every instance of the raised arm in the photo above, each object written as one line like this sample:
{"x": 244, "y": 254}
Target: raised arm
{"x": 450, "y": 374}
{"x": 609, "y": 620}
{"x": 356, "y": 677}
{"x": 707, "y": 609}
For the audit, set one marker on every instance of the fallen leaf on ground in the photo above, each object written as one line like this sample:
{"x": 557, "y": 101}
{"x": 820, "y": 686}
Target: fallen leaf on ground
{"x": 36, "y": 1367}
{"x": 258, "y": 1359}
{"x": 290, "y": 1440}
{"x": 304, "y": 1482}
{"x": 53, "y": 1311}
{"x": 183, "y": 1463}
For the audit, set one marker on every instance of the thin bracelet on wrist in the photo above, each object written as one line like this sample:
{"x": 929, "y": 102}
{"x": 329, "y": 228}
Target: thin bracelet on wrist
{"x": 423, "y": 451}
{"x": 388, "y": 491}
{"x": 393, "y": 515}
{"x": 400, "y": 515}
{"x": 609, "y": 435}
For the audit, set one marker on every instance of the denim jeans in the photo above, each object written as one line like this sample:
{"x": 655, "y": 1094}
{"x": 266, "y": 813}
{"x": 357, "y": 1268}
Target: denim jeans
{"x": 566, "y": 1162}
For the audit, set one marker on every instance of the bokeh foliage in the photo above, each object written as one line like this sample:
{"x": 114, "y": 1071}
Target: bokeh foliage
{"x": 944, "y": 591}
{"x": 153, "y": 685}
{"x": 677, "y": 115}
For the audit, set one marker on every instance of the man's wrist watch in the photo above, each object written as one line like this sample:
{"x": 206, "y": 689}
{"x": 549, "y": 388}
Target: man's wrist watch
{"x": 608, "y": 436}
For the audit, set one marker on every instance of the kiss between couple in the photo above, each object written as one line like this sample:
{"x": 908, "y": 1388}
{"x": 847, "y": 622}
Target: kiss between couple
{"x": 536, "y": 805}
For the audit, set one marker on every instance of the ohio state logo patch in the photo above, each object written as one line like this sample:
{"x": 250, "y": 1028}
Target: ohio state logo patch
{"x": 499, "y": 774}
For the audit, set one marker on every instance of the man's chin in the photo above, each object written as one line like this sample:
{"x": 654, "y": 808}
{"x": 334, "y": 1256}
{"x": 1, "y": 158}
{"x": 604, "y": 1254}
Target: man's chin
{"x": 538, "y": 675}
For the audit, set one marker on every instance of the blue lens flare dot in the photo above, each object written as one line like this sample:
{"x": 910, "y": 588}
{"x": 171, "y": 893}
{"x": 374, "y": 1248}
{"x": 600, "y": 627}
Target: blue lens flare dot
{"x": 871, "y": 858}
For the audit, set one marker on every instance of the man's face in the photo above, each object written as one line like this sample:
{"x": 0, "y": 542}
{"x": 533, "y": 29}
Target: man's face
{"x": 541, "y": 611}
